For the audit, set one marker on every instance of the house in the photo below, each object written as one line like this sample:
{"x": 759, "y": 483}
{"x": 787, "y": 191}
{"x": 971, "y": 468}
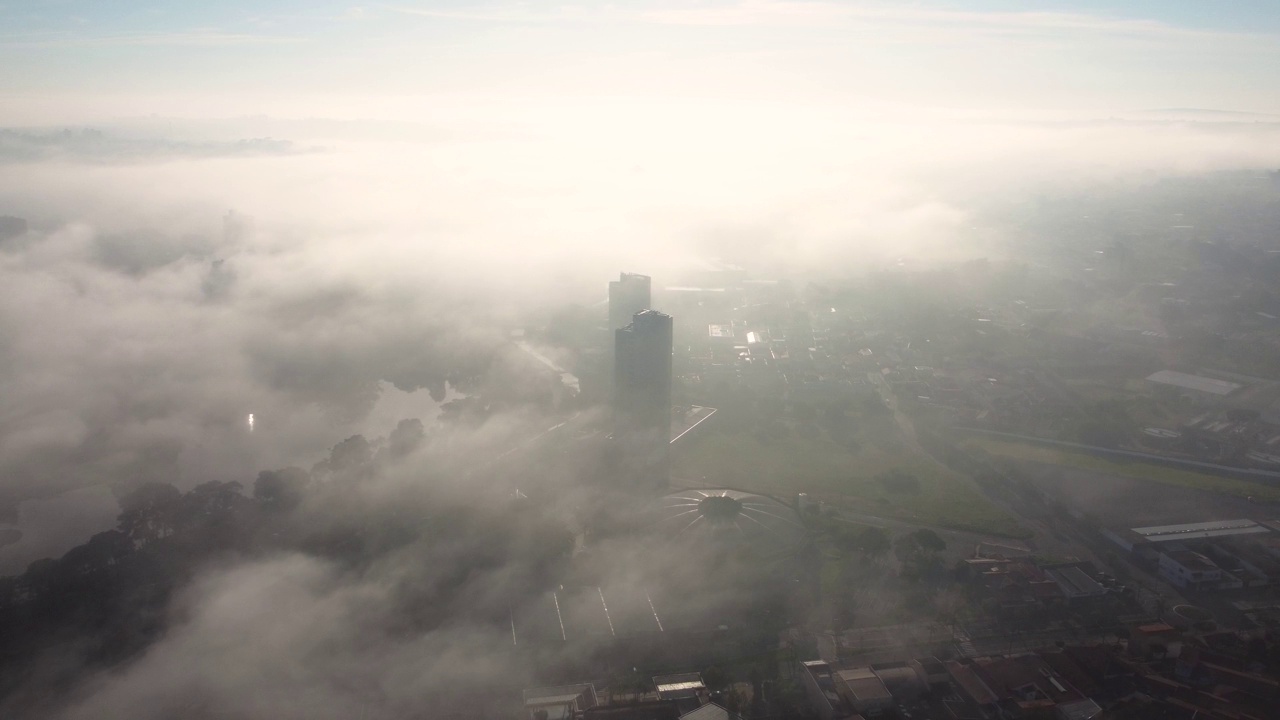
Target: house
{"x": 560, "y": 702}
{"x": 1155, "y": 640}
{"x": 710, "y": 711}
{"x": 865, "y": 691}
{"x": 1022, "y": 686}
{"x": 844, "y": 694}
{"x": 931, "y": 671}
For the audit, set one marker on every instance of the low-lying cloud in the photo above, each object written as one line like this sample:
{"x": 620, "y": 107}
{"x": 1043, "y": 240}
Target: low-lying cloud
{"x": 94, "y": 146}
{"x": 141, "y": 325}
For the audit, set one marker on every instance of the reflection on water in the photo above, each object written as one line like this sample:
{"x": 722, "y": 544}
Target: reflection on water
{"x": 51, "y": 526}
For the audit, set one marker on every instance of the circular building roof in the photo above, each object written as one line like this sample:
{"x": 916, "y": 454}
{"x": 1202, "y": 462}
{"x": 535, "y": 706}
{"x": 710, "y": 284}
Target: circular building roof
{"x": 758, "y": 520}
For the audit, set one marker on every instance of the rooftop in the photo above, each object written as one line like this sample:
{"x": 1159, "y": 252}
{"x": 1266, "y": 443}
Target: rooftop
{"x": 558, "y": 693}
{"x": 1025, "y": 678}
{"x": 1075, "y": 582}
{"x": 968, "y": 680}
{"x": 648, "y": 710}
{"x": 678, "y": 685}
{"x": 1192, "y": 560}
{"x": 710, "y": 711}
{"x": 1195, "y": 531}
{"x": 864, "y": 684}
{"x": 1079, "y": 710}
{"x": 1199, "y": 383}
{"x": 560, "y": 701}
{"x": 932, "y": 665}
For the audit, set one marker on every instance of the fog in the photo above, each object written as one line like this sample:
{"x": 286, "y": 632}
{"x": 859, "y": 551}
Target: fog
{"x": 368, "y": 268}
{"x": 331, "y": 261}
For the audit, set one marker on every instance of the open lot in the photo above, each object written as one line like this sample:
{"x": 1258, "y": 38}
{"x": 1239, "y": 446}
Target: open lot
{"x": 1123, "y": 502}
{"x": 794, "y": 464}
{"x": 1136, "y": 469}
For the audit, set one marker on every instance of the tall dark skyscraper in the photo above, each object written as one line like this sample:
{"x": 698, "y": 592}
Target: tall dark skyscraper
{"x": 642, "y": 396}
{"x": 628, "y": 295}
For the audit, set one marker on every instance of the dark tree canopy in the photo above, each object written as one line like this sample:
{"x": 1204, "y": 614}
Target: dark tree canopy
{"x": 281, "y": 489}
{"x": 148, "y": 513}
{"x": 406, "y": 438}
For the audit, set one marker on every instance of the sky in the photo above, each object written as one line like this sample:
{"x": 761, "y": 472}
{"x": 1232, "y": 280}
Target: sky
{"x": 75, "y": 61}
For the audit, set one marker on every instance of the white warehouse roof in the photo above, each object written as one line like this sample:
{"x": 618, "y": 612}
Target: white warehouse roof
{"x": 1199, "y": 383}
{"x": 1196, "y": 531}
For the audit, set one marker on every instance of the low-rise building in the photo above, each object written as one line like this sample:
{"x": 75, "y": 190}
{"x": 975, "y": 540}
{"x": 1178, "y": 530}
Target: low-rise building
{"x": 1155, "y": 640}
{"x": 710, "y": 711}
{"x": 1196, "y": 386}
{"x": 865, "y": 691}
{"x": 819, "y": 682}
{"x": 559, "y": 702}
{"x": 844, "y": 693}
{"x": 1150, "y": 539}
{"x": 931, "y": 671}
{"x": 641, "y": 710}
{"x": 1022, "y": 686}
{"x": 686, "y": 689}
{"x": 1189, "y": 569}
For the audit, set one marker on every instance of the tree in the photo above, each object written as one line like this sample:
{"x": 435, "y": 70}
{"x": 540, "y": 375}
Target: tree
{"x": 351, "y": 458}
{"x": 756, "y": 677}
{"x": 715, "y": 679}
{"x": 929, "y": 540}
{"x": 949, "y": 604}
{"x": 406, "y": 438}
{"x": 350, "y": 454}
{"x": 873, "y": 542}
{"x": 149, "y": 513}
{"x": 281, "y": 489}
{"x": 210, "y": 514}
{"x": 918, "y": 552}
{"x": 104, "y": 550}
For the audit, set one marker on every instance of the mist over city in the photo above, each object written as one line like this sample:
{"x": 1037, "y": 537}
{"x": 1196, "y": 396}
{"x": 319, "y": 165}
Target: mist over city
{"x": 744, "y": 360}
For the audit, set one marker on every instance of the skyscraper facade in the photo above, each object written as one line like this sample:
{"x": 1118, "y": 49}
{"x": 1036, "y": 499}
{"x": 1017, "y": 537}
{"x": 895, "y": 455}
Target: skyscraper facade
{"x": 642, "y": 396}
{"x": 628, "y": 295}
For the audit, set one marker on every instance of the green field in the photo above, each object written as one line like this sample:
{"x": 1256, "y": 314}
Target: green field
{"x": 793, "y": 464}
{"x": 1124, "y": 468}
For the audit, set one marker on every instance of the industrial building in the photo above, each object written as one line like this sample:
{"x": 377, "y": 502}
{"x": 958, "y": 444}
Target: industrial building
{"x": 1138, "y": 539}
{"x": 1194, "y": 385}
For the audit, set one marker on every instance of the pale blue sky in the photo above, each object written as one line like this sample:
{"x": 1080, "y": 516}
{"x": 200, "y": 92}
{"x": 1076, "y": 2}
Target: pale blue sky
{"x": 1088, "y": 56}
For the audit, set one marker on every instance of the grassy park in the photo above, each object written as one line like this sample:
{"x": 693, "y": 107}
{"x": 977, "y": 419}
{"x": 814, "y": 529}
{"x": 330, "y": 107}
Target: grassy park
{"x": 1135, "y": 469}
{"x": 876, "y": 477}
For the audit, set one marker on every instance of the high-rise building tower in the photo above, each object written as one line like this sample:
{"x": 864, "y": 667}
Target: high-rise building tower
{"x": 642, "y": 396}
{"x": 628, "y": 295}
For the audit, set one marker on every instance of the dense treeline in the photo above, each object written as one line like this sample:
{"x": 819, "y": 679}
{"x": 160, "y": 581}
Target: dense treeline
{"x": 104, "y": 602}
